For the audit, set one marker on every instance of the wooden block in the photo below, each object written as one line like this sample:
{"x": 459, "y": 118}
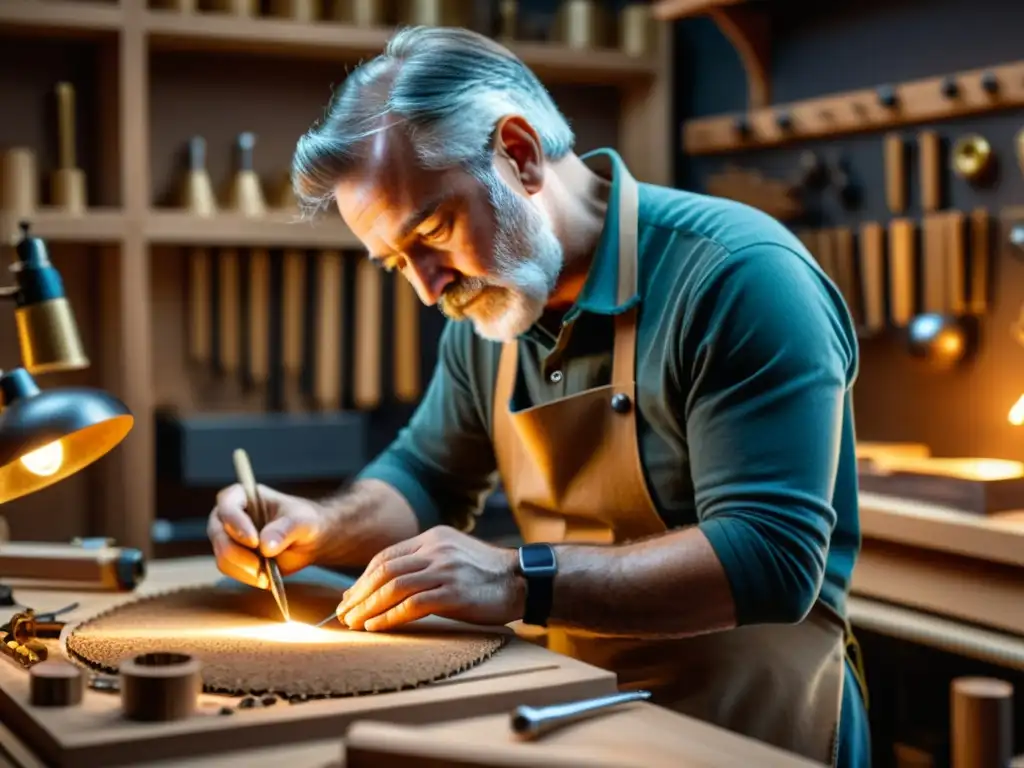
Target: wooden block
{"x": 872, "y": 275}
{"x": 967, "y": 494}
{"x": 932, "y": 170}
{"x": 981, "y": 253}
{"x": 901, "y": 271}
{"x": 981, "y": 717}
{"x": 933, "y": 239}
{"x": 895, "y": 151}
{"x": 912, "y": 103}
{"x": 56, "y": 683}
{"x": 956, "y": 263}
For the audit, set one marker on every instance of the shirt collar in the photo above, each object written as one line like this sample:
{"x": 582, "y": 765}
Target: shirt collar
{"x": 600, "y": 291}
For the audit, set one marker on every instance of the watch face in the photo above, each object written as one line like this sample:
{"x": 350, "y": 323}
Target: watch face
{"x": 536, "y": 559}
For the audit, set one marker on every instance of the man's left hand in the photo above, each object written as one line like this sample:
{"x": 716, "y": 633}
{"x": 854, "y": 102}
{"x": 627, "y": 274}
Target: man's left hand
{"x": 441, "y": 572}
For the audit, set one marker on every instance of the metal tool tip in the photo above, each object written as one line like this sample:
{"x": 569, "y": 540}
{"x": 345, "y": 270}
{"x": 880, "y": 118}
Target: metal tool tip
{"x": 326, "y": 620}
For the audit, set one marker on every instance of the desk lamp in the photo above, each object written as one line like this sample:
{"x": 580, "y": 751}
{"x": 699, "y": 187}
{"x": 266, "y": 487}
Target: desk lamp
{"x": 46, "y": 436}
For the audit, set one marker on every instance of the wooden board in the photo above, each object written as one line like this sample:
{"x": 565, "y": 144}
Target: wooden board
{"x": 967, "y": 494}
{"x": 93, "y": 734}
{"x": 916, "y": 102}
{"x": 638, "y": 735}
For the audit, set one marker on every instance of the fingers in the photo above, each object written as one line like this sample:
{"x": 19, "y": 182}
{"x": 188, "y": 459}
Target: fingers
{"x": 417, "y": 606}
{"x": 397, "y": 591}
{"x": 281, "y": 533}
{"x": 233, "y": 517}
{"x": 233, "y": 559}
{"x": 377, "y": 575}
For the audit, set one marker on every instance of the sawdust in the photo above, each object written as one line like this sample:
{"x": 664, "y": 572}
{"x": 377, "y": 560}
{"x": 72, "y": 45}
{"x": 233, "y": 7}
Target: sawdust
{"x": 245, "y": 647}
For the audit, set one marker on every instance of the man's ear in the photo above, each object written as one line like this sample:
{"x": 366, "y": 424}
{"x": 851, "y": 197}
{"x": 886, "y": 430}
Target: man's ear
{"x": 517, "y": 143}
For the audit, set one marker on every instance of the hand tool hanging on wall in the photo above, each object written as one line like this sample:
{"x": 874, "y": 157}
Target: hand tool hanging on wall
{"x": 304, "y": 11}
{"x": 508, "y": 21}
{"x": 293, "y": 327}
{"x": 435, "y": 13}
{"x": 228, "y": 321}
{"x": 366, "y": 385}
{"x": 245, "y": 194}
{"x": 244, "y": 8}
{"x": 895, "y": 151}
{"x": 929, "y": 153}
{"x": 956, "y": 263}
{"x": 902, "y": 268}
{"x": 197, "y": 196}
{"x": 1019, "y": 149}
{"x": 199, "y": 296}
{"x": 872, "y": 275}
{"x": 358, "y": 13}
{"x": 638, "y": 29}
{"x": 19, "y": 182}
{"x": 327, "y": 383}
{"x": 407, "y": 341}
{"x": 580, "y": 24}
{"x": 845, "y": 270}
{"x": 257, "y": 326}
{"x": 180, "y": 6}
{"x": 69, "y": 189}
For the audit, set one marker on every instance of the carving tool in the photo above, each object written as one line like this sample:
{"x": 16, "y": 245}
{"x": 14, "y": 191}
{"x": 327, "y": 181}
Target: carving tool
{"x": 872, "y": 275}
{"x": 303, "y": 11}
{"x": 68, "y": 180}
{"x": 258, "y": 324}
{"x": 407, "y": 341}
{"x": 229, "y": 339}
{"x": 293, "y": 327}
{"x": 895, "y": 173}
{"x": 532, "y": 722}
{"x": 197, "y": 195}
{"x": 367, "y": 384}
{"x": 246, "y": 193}
{"x": 845, "y": 277}
{"x": 326, "y": 620}
{"x": 901, "y": 271}
{"x": 254, "y": 505}
{"x": 930, "y": 157}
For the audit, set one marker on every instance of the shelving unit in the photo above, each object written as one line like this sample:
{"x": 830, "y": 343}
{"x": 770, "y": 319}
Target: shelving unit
{"x": 148, "y": 80}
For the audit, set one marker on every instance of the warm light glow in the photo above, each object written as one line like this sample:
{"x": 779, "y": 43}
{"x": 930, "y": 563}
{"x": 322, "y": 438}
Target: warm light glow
{"x": 286, "y": 632}
{"x": 967, "y": 468}
{"x": 950, "y": 344}
{"x": 1016, "y": 415}
{"x": 45, "y": 461}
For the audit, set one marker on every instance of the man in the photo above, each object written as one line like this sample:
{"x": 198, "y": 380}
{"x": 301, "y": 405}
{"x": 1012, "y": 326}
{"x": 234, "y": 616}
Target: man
{"x": 660, "y": 379}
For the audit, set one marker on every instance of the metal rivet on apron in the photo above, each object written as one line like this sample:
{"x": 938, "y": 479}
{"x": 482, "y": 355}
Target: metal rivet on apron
{"x": 555, "y": 377}
{"x": 621, "y": 403}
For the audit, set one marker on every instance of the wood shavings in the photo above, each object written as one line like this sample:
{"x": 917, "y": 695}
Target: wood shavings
{"x": 245, "y": 648}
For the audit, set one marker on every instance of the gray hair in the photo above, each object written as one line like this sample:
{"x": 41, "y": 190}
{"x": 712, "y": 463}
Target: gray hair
{"x": 448, "y": 87}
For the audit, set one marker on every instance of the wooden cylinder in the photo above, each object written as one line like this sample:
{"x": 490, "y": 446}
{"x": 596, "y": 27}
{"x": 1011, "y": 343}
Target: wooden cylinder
{"x": 19, "y": 181}
{"x": 637, "y": 30}
{"x": 56, "y": 683}
{"x": 159, "y": 687}
{"x": 981, "y": 720}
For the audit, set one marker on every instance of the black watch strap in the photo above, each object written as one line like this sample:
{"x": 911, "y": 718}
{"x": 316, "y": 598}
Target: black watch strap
{"x": 538, "y": 566}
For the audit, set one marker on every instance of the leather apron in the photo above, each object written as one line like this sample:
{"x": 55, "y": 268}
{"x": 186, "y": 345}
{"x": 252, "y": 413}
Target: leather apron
{"x": 571, "y": 470}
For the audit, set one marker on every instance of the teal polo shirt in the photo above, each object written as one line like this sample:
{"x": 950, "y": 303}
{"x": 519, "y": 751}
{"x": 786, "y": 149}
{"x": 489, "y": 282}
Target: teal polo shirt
{"x": 746, "y": 356}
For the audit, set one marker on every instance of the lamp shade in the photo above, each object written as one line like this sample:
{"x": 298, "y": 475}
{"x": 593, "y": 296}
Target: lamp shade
{"x": 46, "y": 436}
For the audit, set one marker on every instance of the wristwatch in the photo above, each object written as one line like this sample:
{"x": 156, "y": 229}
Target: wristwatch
{"x": 538, "y": 566}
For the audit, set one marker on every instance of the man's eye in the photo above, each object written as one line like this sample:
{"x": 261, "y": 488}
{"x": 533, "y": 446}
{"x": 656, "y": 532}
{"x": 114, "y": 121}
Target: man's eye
{"x": 438, "y": 233}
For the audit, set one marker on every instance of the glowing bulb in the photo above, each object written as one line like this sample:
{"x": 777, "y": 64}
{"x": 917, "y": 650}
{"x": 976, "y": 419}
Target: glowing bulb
{"x": 44, "y": 461}
{"x": 1016, "y": 416}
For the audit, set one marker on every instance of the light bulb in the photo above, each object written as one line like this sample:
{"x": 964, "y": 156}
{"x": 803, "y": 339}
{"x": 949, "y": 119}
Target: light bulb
{"x": 1016, "y": 415}
{"x": 44, "y": 461}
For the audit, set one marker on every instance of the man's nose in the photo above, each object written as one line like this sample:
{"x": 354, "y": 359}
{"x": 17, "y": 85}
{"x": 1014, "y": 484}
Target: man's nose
{"x": 429, "y": 278}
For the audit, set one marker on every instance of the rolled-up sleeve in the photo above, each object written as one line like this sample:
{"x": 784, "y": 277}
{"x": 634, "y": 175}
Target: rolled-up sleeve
{"x": 770, "y": 360}
{"x": 442, "y": 462}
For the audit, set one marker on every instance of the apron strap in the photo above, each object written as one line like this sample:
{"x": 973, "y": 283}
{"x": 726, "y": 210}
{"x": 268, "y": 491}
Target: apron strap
{"x": 856, "y": 658}
{"x": 624, "y": 354}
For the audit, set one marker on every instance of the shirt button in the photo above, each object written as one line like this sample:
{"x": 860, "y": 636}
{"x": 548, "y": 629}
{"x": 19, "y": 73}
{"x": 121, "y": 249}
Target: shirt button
{"x": 555, "y": 376}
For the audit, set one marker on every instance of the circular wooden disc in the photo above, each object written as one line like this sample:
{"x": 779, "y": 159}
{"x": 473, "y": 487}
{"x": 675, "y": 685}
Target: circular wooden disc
{"x": 160, "y": 686}
{"x": 244, "y": 647}
{"x": 56, "y": 683}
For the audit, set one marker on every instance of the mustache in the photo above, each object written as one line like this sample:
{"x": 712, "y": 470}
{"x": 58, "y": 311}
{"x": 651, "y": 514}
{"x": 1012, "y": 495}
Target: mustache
{"x": 456, "y": 296}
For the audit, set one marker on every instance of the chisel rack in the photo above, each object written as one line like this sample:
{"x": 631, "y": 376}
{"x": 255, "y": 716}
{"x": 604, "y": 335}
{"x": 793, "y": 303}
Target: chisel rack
{"x": 223, "y": 320}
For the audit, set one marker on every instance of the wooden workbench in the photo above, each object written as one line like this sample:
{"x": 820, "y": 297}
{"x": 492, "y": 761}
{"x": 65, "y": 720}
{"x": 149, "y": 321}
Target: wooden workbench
{"x": 637, "y": 732}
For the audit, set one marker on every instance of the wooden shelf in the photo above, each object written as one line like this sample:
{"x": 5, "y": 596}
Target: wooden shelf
{"x": 66, "y": 17}
{"x": 170, "y": 31}
{"x": 869, "y": 109}
{"x": 275, "y": 229}
{"x": 98, "y": 225}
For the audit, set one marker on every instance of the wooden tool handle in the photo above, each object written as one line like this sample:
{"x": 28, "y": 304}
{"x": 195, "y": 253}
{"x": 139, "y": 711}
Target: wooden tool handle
{"x": 367, "y": 385}
{"x": 259, "y": 316}
{"x": 229, "y": 311}
{"x": 895, "y": 173}
{"x": 981, "y": 249}
{"x": 327, "y": 384}
{"x": 930, "y": 158}
{"x": 66, "y": 125}
{"x": 845, "y": 276}
{"x": 956, "y": 263}
{"x": 292, "y": 301}
{"x": 935, "y": 271}
{"x": 200, "y": 303}
{"x": 872, "y": 275}
{"x": 247, "y": 479}
{"x": 407, "y": 341}
{"x": 901, "y": 271}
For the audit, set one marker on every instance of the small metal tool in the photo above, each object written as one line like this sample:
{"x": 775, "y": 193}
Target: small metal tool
{"x": 327, "y": 620}
{"x": 243, "y": 468}
{"x": 531, "y": 722}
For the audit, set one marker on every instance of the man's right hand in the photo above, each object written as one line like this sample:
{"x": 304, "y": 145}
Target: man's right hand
{"x": 294, "y": 534}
